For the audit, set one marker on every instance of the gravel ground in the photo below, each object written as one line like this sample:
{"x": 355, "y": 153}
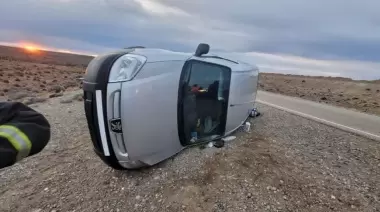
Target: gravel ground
{"x": 287, "y": 163}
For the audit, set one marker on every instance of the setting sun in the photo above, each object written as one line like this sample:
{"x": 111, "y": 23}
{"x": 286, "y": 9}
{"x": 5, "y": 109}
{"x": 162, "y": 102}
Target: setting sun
{"x": 31, "y": 48}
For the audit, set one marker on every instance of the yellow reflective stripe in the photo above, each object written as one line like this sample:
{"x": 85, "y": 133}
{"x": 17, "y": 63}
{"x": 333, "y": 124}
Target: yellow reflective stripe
{"x": 19, "y": 133}
{"x": 12, "y": 140}
{"x": 18, "y": 140}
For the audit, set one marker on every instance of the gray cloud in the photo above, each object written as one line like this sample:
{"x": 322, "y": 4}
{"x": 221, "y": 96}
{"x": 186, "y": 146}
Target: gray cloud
{"x": 339, "y": 30}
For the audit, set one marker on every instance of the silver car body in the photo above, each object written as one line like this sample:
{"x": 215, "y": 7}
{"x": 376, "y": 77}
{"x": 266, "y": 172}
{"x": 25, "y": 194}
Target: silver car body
{"x": 147, "y": 106}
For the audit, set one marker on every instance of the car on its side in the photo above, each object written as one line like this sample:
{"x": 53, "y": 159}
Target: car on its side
{"x": 145, "y": 105}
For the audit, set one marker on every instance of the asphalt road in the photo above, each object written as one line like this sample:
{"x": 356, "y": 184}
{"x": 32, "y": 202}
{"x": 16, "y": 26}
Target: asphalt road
{"x": 348, "y": 120}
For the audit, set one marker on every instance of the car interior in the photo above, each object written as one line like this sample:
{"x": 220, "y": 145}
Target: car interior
{"x": 204, "y": 103}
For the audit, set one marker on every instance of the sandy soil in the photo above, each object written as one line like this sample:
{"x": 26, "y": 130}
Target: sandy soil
{"x": 286, "y": 163}
{"x": 363, "y": 96}
{"x": 20, "y": 81}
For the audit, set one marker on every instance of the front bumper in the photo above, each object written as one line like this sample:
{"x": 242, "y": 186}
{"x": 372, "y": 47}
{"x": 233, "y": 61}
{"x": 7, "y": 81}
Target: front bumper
{"x": 98, "y": 108}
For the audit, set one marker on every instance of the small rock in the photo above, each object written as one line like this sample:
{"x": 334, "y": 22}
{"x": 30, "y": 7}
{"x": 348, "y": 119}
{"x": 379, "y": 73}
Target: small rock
{"x": 249, "y": 195}
{"x": 303, "y": 81}
{"x": 138, "y": 197}
{"x": 368, "y": 89}
{"x": 57, "y": 88}
{"x": 70, "y": 84}
{"x": 65, "y": 101}
{"x": 18, "y": 95}
{"x": 285, "y": 198}
{"x": 46, "y": 189}
{"x": 78, "y": 97}
{"x": 333, "y": 197}
{"x": 33, "y": 100}
{"x": 323, "y": 98}
{"x": 55, "y": 95}
{"x": 281, "y": 182}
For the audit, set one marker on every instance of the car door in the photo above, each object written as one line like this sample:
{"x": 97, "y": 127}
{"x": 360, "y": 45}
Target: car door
{"x": 203, "y": 101}
{"x": 242, "y": 98}
{"x": 149, "y": 112}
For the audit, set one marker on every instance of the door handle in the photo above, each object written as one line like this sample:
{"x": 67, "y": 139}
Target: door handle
{"x": 243, "y": 103}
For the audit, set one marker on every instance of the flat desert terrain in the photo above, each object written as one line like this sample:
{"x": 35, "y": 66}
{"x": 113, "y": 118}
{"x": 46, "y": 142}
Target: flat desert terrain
{"x": 285, "y": 163}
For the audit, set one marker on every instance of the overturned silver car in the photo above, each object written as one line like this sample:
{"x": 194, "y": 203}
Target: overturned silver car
{"x": 145, "y": 105}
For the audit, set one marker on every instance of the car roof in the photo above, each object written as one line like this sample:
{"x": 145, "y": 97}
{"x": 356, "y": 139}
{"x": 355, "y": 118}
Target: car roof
{"x": 159, "y": 55}
{"x": 236, "y": 66}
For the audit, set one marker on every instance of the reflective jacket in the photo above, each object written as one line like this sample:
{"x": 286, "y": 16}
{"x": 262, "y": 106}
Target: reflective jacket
{"x": 23, "y": 132}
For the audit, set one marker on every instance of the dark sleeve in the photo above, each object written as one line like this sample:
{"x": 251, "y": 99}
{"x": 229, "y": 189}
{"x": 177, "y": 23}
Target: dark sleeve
{"x": 33, "y": 124}
{"x": 7, "y": 153}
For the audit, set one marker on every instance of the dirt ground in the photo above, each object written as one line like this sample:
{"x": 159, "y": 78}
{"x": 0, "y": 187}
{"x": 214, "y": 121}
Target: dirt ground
{"x": 286, "y": 163}
{"x": 363, "y": 96}
{"x": 32, "y": 77}
{"x": 25, "y": 81}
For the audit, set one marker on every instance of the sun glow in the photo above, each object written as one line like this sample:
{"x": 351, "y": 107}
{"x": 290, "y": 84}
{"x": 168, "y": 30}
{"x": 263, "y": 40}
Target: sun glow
{"x": 30, "y": 48}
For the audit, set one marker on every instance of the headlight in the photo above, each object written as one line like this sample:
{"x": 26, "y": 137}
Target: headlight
{"x": 126, "y": 67}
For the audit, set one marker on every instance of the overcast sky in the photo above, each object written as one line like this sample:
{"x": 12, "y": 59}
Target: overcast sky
{"x": 320, "y": 37}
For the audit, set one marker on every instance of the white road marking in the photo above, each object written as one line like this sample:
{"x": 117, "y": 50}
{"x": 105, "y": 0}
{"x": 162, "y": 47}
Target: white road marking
{"x": 330, "y": 123}
{"x": 99, "y": 108}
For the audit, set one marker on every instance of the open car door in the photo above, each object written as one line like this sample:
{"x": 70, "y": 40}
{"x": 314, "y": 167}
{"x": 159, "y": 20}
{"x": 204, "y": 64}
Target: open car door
{"x": 203, "y": 101}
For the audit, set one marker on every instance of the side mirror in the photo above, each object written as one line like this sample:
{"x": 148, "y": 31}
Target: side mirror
{"x": 202, "y": 48}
